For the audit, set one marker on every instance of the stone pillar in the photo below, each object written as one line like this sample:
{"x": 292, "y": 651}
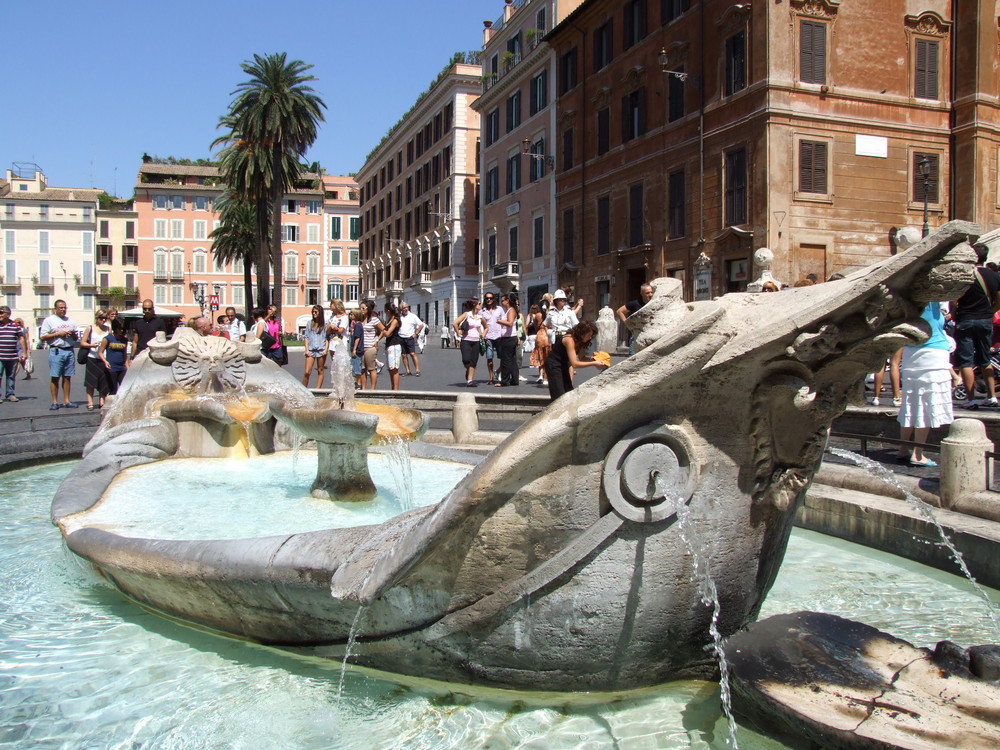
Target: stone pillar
{"x": 963, "y": 463}
{"x": 464, "y": 418}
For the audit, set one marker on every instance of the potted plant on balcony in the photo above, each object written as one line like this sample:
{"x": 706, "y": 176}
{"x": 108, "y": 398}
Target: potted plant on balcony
{"x": 532, "y": 37}
{"x": 507, "y": 60}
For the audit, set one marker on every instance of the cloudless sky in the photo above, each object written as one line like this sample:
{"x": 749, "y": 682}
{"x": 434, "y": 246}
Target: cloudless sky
{"x": 88, "y": 87}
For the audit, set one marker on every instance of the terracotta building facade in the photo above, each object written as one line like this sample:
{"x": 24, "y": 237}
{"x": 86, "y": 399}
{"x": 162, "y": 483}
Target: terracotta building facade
{"x": 175, "y": 213}
{"x": 419, "y": 203}
{"x": 689, "y": 134}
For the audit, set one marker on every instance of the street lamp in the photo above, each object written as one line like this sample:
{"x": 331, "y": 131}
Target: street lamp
{"x": 924, "y": 166}
{"x": 664, "y": 60}
{"x": 548, "y": 161}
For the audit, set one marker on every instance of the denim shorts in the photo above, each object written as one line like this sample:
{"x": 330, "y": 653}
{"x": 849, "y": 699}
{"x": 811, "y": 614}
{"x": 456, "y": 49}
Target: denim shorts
{"x": 62, "y": 362}
{"x": 356, "y": 365}
{"x": 972, "y": 342}
{"x": 489, "y": 348}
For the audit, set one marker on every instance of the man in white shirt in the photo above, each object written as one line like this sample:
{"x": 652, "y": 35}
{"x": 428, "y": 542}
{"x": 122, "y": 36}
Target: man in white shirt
{"x": 59, "y": 332}
{"x": 410, "y": 327}
{"x": 237, "y": 328}
{"x": 560, "y": 317}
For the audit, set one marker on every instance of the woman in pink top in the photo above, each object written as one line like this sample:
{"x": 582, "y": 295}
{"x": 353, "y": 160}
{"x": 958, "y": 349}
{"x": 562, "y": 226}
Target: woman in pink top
{"x": 470, "y": 327}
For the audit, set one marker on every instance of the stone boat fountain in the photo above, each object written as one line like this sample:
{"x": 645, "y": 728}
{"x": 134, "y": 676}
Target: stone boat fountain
{"x": 571, "y": 525}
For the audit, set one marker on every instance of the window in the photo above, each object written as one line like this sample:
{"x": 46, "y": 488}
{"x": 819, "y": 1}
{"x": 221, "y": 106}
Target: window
{"x": 491, "y": 249}
{"x": 239, "y": 296}
{"x": 567, "y": 148}
{"x": 43, "y": 273}
{"x": 177, "y": 294}
{"x": 104, "y": 256}
{"x": 492, "y": 126}
{"x": 87, "y": 243}
{"x": 314, "y": 206}
{"x": 200, "y": 229}
{"x": 539, "y": 92}
{"x": 512, "y": 238}
{"x": 312, "y": 267}
{"x": 671, "y": 9}
{"x": 812, "y": 52}
{"x": 289, "y": 233}
{"x": 88, "y": 301}
{"x": 43, "y": 243}
{"x": 160, "y": 228}
{"x": 932, "y": 179}
{"x": 352, "y": 256}
{"x": 540, "y": 19}
{"x": 201, "y": 202}
{"x": 492, "y": 183}
{"x": 159, "y": 294}
{"x": 159, "y": 264}
{"x": 513, "y": 110}
{"x": 9, "y": 245}
{"x": 634, "y": 28}
{"x": 104, "y": 229}
{"x": 355, "y": 228}
{"x": 177, "y": 229}
{"x": 289, "y": 206}
{"x": 603, "y": 131}
{"x": 43, "y": 213}
{"x": 335, "y": 290}
{"x": 538, "y": 235}
{"x": 675, "y": 205}
{"x": 160, "y": 202}
{"x": 312, "y": 233}
{"x": 926, "y": 82}
{"x": 237, "y": 265}
{"x": 602, "y": 45}
{"x": 567, "y": 71}
{"x": 812, "y": 167}
{"x": 353, "y": 292}
{"x": 568, "y": 235}
{"x": 177, "y": 202}
{"x": 291, "y": 267}
{"x": 736, "y": 187}
{"x": 675, "y": 97}
{"x": 335, "y": 227}
{"x": 736, "y": 63}
{"x": 218, "y": 263}
{"x": 177, "y": 264}
{"x": 130, "y": 230}
{"x": 635, "y": 215}
{"x": 335, "y": 256}
{"x": 199, "y": 262}
{"x": 130, "y": 255}
{"x": 513, "y": 172}
{"x": 536, "y": 167}
{"x": 603, "y": 225}
{"x": 634, "y": 114}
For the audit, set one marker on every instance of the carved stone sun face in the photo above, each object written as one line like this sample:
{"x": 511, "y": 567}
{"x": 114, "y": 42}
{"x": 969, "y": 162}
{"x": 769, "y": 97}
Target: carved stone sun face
{"x": 209, "y": 364}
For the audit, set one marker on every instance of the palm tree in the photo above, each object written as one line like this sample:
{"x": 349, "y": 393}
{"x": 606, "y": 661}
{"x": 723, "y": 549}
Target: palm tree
{"x": 236, "y": 238}
{"x": 274, "y": 120}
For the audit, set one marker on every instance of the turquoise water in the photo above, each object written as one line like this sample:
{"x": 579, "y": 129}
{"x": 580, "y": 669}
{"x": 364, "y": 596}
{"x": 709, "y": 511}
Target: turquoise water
{"x": 81, "y": 667}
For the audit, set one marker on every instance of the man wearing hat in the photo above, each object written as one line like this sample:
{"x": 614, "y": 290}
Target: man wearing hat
{"x": 560, "y": 317}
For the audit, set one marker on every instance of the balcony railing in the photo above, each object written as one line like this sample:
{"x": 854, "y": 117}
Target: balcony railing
{"x": 394, "y": 287}
{"x": 312, "y": 278}
{"x": 160, "y": 274}
{"x": 510, "y": 268}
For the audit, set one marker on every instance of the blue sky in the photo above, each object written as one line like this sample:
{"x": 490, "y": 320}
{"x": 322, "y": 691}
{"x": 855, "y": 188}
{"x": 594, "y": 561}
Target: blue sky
{"x": 89, "y": 87}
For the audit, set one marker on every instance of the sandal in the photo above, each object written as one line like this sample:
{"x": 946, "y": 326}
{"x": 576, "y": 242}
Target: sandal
{"x": 922, "y": 464}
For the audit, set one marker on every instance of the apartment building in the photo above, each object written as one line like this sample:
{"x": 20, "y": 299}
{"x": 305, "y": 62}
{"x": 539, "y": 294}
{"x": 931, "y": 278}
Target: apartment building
{"x": 175, "y": 209}
{"x": 341, "y": 235}
{"x": 419, "y": 202}
{"x": 517, "y": 228}
{"x": 48, "y": 245}
{"x": 692, "y": 133}
{"x": 117, "y": 261}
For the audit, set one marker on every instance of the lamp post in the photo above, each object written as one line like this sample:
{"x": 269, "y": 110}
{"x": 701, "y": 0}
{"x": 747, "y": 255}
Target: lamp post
{"x": 548, "y": 161}
{"x": 664, "y": 59}
{"x": 924, "y": 165}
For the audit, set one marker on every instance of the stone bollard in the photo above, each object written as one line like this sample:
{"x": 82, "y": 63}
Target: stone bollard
{"x": 464, "y": 418}
{"x": 963, "y": 461}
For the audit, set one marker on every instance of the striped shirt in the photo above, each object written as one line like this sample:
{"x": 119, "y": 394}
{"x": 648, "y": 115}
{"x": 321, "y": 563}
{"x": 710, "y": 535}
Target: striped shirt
{"x": 10, "y": 337}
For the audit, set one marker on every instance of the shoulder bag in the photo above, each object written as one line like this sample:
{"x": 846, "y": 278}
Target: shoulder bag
{"x": 83, "y": 352}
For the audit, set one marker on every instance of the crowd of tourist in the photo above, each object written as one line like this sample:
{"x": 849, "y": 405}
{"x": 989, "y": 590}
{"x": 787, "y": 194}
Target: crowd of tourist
{"x": 949, "y": 366}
